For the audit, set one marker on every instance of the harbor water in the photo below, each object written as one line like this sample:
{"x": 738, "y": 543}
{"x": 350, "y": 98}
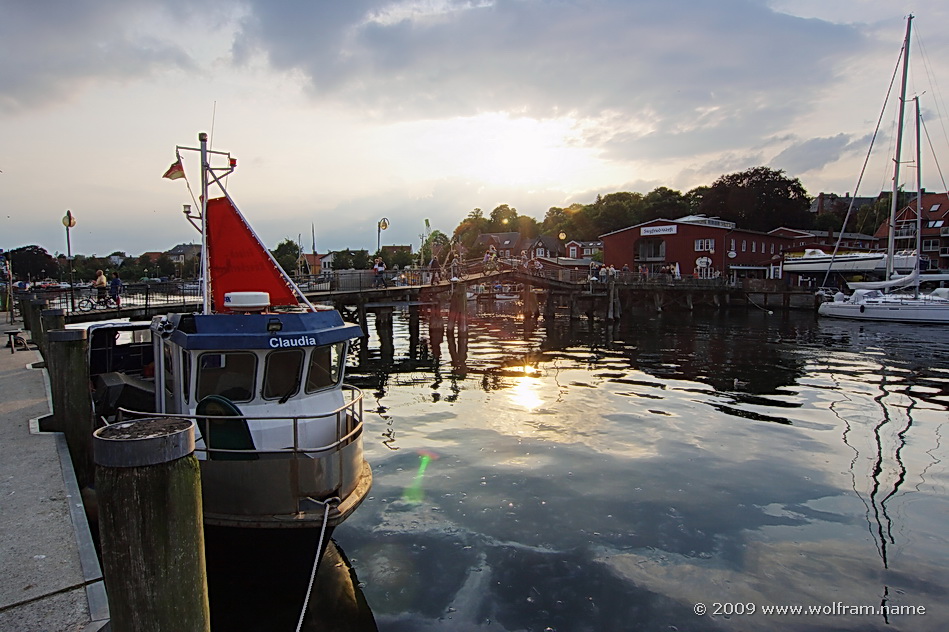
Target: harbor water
{"x": 680, "y": 471}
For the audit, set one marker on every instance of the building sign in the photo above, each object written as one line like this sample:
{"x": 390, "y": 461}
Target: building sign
{"x": 658, "y": 230}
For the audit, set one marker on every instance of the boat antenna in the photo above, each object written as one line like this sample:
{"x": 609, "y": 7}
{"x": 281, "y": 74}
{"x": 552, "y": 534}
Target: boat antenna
{"x": 213, "y": 116}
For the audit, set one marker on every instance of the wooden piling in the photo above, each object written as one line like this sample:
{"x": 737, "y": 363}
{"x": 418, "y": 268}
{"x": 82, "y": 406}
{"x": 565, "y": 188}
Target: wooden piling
{"x": 385, "y": 332}
{"x": 458, "y": 308}
{"x": 529, "y": 301}
{"x": 37, "y": 305}
{"x": 25, "y": 300}
{"x": 148, "y": 485}
{"x": 73, "y": 415}
{"x": 413, "y": 329}
{"x": 611, "y": 300}
{"x": 50, "y": 319}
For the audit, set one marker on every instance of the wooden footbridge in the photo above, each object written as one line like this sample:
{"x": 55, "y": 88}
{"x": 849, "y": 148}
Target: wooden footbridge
{"x": 550, "y": 291}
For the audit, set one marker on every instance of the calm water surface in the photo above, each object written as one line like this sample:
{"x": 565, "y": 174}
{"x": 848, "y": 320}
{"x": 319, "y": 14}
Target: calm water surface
{"x": 572, "y": 479}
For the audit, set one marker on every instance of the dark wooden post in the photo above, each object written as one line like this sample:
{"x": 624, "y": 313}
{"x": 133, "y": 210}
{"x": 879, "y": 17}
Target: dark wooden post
{"x": 458, "y": 308}
{"x": 529, "y": 301}
{"x": 148, "y": 485}
{"x": 50, "y": 319}
{"x": 436, "y": 326}
{"x": 385, "y": 332}
{"x": 72, "y": 404}
{"x": 36, "y": 307}
{"x": 25, "y": 301}
{"x": 413, "y": 329}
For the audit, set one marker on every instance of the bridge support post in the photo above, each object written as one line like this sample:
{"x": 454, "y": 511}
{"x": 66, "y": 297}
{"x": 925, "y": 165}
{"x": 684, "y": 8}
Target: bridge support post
{"x": 413, "y": 330}
{"x": 549, "y": 305}
{"x": 458, "y": 308}
{"x": 384, "y": 331}
{"x": 529, "y": 302}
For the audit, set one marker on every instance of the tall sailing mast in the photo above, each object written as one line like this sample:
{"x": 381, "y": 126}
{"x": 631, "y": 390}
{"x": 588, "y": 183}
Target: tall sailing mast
{"x": 894, "y": 203}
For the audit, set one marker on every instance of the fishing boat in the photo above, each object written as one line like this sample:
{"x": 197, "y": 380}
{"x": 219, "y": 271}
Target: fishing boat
{"x": 896, "y": 298}
{"x": 259, "y": 371}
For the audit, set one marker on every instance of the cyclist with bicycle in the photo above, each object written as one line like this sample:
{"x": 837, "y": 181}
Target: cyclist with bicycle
{"x": 101, "y": 285}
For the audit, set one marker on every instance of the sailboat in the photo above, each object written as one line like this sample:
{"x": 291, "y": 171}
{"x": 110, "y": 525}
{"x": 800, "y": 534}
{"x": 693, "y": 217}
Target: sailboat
{"x": 886, "y": 301}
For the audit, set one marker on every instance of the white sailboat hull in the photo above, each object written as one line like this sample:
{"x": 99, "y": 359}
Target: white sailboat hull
{"x": 860, "y": 263}
{"x": 890, "y": 308}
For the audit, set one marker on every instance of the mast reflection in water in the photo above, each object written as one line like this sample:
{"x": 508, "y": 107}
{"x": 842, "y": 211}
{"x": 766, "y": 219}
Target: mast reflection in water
{"x": 612, "y": 478}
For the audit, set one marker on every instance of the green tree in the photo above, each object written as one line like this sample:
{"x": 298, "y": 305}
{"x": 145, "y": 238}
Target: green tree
{"x": 435, "y": 244}
{"x": 165, "y": 267}
{"x": 695, "y": 197}
{"x": 830, "y": 222}
{"x": 286, "y": 253}
{"x": 33, "y": 262}
{"x": 503, "y": 219}
{"x": 615, "y": 211}
{"x": 758, "y": 199}
{"x": 664, "y": 203}
{"x": 470, "y": 228}
{"x": 871, "y": 216}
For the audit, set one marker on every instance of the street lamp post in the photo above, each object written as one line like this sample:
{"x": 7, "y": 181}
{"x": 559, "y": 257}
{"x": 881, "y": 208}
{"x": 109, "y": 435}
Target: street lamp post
{"x": 69, "y": 221}
{"x": 381, "y": 226}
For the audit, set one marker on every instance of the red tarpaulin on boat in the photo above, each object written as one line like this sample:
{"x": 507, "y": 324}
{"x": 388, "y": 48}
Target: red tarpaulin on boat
{"x": 238, "y": 261}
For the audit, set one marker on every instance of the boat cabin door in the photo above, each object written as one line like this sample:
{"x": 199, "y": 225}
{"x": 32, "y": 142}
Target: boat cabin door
{"x": 172, "y": 377}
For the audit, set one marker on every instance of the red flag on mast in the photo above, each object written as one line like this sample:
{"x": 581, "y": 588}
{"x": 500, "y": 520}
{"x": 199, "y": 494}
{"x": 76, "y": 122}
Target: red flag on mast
{"x": 175, "y": 171}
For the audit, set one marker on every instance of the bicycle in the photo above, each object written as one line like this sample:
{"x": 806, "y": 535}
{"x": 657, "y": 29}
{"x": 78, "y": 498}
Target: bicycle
{"x": 88, "y": 304}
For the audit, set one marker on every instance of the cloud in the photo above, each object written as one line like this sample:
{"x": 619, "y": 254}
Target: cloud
{"x": 814, "y": 154}
{"x": 54, "y": 50}
{"x": 693, "y": 74}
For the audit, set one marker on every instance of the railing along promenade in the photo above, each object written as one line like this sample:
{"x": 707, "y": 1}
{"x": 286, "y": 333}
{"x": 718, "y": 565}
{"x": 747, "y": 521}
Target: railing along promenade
{"x": 353, "y": 287}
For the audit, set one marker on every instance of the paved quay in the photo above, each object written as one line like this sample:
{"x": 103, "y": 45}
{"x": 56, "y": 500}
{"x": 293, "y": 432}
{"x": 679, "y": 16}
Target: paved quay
{"x": 50, "y": 579}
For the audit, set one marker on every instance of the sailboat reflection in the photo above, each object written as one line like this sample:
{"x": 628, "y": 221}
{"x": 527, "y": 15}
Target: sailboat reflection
{"x": 887, "y": 472}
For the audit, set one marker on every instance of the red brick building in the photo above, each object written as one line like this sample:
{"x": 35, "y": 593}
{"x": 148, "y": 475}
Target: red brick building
{"x": 934, "y": 233}
{"x": 706, "y": 247}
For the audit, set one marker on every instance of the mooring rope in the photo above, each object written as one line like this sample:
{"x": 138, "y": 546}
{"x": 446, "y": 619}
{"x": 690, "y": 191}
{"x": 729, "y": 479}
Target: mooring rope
{"x": 316, "y": 562}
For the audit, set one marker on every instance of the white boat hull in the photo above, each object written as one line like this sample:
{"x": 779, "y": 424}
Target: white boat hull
{"x": 890, "y": 309}
{"x": 849, "y": 264}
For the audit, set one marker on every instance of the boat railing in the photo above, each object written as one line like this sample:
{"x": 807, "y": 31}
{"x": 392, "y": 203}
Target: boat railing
{"x": 287, "y": 487}
{"x": 348, "y": 421}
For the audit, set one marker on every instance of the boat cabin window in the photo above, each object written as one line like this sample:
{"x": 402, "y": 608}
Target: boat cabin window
{"x": 119, "y": 350}
{"x": 231, "y": 375}
{"x": 168, "y": 370}
{"x": 282, "y": 371}
{"x": 325, "y": 366}
{"x": 186, "y": 375}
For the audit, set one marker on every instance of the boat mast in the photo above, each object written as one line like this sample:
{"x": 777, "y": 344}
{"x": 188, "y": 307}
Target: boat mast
{"x": 205, "y": 261}
{"x": 919, "y": 198}
{"x": 891, "y": 229}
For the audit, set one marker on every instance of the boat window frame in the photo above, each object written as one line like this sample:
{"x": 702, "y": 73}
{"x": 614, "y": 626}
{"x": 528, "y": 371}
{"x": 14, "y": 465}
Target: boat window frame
{"x": 186, "y": 375}
{"x": 282, "y": 393}
{"x": 336, "y": 362}
{"x": 200, "y": 394}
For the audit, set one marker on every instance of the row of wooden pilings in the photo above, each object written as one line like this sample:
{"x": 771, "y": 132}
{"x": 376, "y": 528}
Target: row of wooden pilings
{"x": 142, "y": 482}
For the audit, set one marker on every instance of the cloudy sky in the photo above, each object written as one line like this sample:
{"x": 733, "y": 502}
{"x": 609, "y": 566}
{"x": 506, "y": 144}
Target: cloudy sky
{"x": 342, "y": 113}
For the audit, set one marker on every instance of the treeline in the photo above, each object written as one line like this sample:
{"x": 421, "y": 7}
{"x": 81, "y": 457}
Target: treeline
{"x": 757, "y": 199}
{"x": 35, "y": 263}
